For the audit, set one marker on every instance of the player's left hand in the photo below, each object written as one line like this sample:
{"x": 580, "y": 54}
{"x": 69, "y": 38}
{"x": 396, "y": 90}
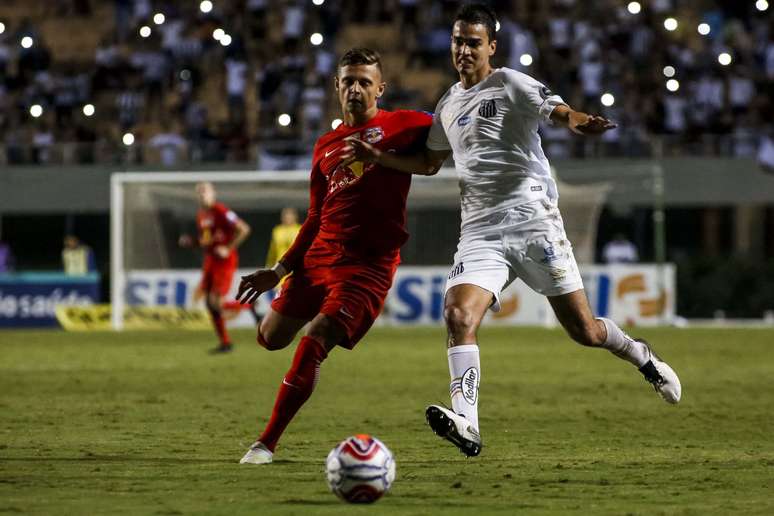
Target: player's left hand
{"x": 358, "y": 150}
{"x": 255, "y": 284}
{"x": 222, "y": 251}
{"x": 583, "y": 123}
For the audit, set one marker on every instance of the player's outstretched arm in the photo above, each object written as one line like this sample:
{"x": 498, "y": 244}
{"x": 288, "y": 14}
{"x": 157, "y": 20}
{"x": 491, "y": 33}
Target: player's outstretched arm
{"x": 425, "y": 163}
{"x": 579, "y": 122}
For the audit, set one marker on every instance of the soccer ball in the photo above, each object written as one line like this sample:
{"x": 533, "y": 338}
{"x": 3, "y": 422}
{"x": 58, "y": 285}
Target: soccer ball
{"x": 360, "y": 469}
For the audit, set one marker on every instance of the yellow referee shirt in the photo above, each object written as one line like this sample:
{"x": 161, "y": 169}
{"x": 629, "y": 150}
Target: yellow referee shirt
{"x": 282, "y": 237}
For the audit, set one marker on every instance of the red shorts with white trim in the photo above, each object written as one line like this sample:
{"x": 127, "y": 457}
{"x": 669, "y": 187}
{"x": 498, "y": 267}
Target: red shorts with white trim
{"x": 218, "y": 273}
{"x": 350, "y": 290}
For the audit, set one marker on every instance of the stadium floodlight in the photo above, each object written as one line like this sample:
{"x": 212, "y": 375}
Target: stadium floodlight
{"x": 634, "y": 7}
{"x": 26, "y": 42}
{"x": 205, "y": 6}
{"x": 672, "y": 85}
{"x": 336, "y": 122}
{"x": 145, "y": 31}
{"x": 225, "y": 40}
{"x": 497, "y": 26}
{"x": 607, "y": 99}
{"x": 283, "y": 120}
{"x": 316, "y": 39}
{"x": 218, "y": 33}
{"x": 318, "y": 2}
{"x": 88, "y": 109}
{"x": 2, "y": 27}
{"x": 703, "y": 29}
{"x": 761, "y": 5}
{"x": 159, "y": 18}
{"x": 128, "y": 139}
{"x": 669, "y": 71}
{"x": 670, "y": 24}
{"x": 724, "y": 58}
{"x": 36, "y": 110}
{"x": 525, "y": 59}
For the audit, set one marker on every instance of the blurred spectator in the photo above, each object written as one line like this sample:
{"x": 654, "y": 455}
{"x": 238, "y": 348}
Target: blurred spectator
{"x": 6, "y": 258}
{"x": 578, "y": 49}
{"x": 620, "y": 250}
{"x": 170, "y": 146}
{"x": 77, "y": 258}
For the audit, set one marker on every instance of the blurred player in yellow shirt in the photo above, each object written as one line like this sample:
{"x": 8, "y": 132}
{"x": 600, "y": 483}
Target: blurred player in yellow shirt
{"x": 282, "y": 237}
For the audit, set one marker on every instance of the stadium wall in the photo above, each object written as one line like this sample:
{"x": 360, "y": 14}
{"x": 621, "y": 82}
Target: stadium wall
{"x": 688, "y": 182}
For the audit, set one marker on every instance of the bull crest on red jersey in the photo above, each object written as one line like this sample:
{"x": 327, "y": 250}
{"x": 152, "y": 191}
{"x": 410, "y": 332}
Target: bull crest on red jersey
{"x": 373, "y": 134}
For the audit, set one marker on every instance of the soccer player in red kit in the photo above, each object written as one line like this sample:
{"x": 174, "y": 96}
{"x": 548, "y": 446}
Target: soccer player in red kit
{"x": 345, "y": 255}
{"x": 221, "y": 232}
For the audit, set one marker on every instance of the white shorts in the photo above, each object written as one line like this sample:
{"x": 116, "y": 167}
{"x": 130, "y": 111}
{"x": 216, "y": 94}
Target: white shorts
{"x": 526, "y": 242}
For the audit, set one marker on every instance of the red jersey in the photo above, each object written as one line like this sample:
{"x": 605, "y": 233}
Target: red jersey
{"x": 216, "y": 227}
{"x": 361, "y": 206}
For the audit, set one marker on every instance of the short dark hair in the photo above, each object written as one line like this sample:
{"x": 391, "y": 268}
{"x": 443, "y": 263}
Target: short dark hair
{"x": 361, "y": 56}
{"x": 479, "y": 13}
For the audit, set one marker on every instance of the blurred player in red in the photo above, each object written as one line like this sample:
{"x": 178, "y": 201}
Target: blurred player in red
{"x": 221, "y": 232}
{"x": 344, "y": 258}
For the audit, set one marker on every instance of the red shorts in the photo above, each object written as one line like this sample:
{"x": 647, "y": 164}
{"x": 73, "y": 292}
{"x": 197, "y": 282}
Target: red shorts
{"x": 217, "y": 273}
{"x": 347, "y": 289}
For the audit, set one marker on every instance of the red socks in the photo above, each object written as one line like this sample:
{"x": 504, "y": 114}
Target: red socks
{"x": 234, "y": 305}
{"x": 220, "y": 327}
{"x": 295, "y": 389}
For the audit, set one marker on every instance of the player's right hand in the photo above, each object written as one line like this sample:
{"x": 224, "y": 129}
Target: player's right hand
{"x": 255, "y": 284}
{"x": 358, "y": 150}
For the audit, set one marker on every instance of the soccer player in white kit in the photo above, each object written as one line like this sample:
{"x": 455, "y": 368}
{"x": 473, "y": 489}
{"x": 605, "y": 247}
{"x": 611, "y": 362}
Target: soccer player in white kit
{"x": 511, "y": 225}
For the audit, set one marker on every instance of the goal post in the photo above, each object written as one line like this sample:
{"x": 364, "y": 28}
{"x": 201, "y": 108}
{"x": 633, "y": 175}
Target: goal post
{"x": 149, "y": 210}
{"x": 120, "y": 182}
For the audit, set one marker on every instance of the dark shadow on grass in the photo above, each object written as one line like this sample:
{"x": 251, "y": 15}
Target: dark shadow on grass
{"x": 119, "y": 458}
{"x": 296, "y": 501}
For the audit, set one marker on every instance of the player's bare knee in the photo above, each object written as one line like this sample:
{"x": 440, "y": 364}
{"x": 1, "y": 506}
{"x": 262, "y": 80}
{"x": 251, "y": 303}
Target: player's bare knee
{"x": 460, "y": 321}
{"x": 272, "y": 340}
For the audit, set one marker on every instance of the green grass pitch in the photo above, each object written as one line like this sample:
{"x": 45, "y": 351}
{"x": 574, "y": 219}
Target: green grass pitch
{"x": 147, "y": 423}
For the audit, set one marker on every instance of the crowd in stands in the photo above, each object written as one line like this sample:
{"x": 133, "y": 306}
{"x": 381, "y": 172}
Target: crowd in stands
{"x": 178, "y": 82}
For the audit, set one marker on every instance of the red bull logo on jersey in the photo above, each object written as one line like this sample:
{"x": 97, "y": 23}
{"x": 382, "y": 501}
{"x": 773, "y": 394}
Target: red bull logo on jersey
{"x": 373, "y": 134}
{"x": 344, "y": 176}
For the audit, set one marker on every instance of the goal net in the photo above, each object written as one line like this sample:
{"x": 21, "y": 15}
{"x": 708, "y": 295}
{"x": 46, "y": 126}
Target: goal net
{"x": 149, "y": 212}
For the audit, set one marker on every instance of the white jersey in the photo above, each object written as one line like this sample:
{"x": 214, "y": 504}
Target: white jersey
{"x": 492, "y": 129}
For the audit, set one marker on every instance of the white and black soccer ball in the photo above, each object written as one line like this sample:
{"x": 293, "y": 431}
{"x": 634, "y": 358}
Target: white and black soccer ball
{"x": 360, "y": 469}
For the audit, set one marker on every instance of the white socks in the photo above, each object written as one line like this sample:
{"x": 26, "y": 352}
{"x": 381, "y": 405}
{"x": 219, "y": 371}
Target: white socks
{"x": 465, "y": 371}
{"x": 623, "y": 346}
